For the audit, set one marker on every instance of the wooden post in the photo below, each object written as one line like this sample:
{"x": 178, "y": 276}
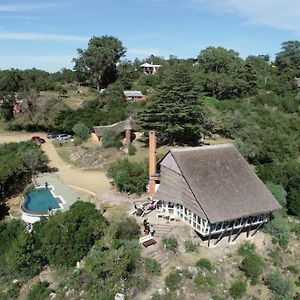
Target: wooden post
{"x": 249, "y": 228}
{"x": 221, "y": 235}
{"x": 258, "y": 227}
{"x": 209, "y": 235}
{"x": 231, "y": 231}
{"x": 239, "y": 232}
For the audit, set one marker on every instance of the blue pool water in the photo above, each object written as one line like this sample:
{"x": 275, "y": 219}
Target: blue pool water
{"x": 40, "y": 200}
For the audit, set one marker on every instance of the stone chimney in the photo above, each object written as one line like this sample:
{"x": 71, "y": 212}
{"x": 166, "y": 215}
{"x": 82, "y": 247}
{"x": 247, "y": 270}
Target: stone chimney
{"x": 152, "y": 162}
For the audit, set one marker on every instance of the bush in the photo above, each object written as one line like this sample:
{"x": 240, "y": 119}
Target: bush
{"x": 67, "y": 237}
{"x": 278, "y": 284}
{"x": 252, "y": 265}
{"x": 111, "y": 138}
{"x": 128, "y": 229}
{"x": 238, "y": 289}
{"x": 246, "y": 248}
{"x": 170, "y": 244}
{"x": 190, "y": 246}
{"x": 293, "y": 269}
{"x": 81, "y": 131}
{"x": 130, "y": 177}
{"x": 204, "y": 263}
{"x": 152, "y": 266}
{"x": 278, "y": 192}
{"x": 131, "y": 150}
{"x": 204, "y": 283}
{"x": 278, "y": 227}
{"x": 172, "y": 280}
{"x": 276, "y": 258}
{"x": 39, "y": 291}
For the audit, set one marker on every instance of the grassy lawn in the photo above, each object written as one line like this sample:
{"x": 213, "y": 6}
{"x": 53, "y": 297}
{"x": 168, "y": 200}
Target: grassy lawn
{"x": 73, "y": 98}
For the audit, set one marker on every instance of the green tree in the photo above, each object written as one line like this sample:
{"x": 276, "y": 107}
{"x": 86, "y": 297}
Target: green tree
{"x": 176, "y": 110}
{"x": 21, "y": 257}
{"x": 130, "y": 177}
{"x": 97, "y": 63}
{"x": 6, "y": 107}
{"x": 66, "y": 238}
{"x": 287, "y": 62}
{"x": 39, "y": 291}
{"x": 224, "y": 73}
{"x": 81, "y": 131}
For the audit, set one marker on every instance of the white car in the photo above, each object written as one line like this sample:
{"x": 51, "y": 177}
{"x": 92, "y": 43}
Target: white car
{"x": 64, "y": 137}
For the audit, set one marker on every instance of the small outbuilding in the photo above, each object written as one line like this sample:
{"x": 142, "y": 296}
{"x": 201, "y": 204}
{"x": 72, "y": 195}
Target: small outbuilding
{"x": 134, "y": 96}
{"x": 125, "y": 128}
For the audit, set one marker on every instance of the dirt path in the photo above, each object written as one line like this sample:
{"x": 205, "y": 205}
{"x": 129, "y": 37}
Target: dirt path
{"x": 93, "y": 181}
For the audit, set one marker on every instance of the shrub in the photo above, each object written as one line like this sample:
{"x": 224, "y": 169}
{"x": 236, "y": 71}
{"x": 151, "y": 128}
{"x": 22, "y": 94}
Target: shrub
{"x": 278, "y": 284}
{"x": 170, "y": 243}
{"x": 111, "y": 138}
{"x": 131, "y": 150}
{"x": 127, "y": 228}
{"x": 39, "y": 291}
{"x": 293, "y": 269}
{"x": 252, "y": 265}
{"x": 81, "y": 131}
{"x": 238, "y": 289}
{"x": 130, "y": 177}
{"x": 77, "y": 141}
{"x": 204, "y": 263}
{"x": 172, "y": 280}
{"x": 190, "y": 246}
{"x": 276, "y": 258}
{"x": 246, "y": 248}
{"x": 152, "y": 266}
{"x": 204, "y": 283}
{"x": 278, "y": 227}
{"x": 278, "y": 192}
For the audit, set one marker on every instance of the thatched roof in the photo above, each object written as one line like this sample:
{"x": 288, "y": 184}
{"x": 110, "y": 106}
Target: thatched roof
{"x": 221, "y": 181}
{"x": 120, "y": 127}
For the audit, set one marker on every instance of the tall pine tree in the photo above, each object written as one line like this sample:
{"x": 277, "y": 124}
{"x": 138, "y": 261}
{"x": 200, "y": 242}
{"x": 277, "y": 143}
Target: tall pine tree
{"x": 175, "y": 112}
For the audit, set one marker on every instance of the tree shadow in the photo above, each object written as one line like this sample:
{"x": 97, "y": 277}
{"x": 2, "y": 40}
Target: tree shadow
{"x": 49, "y": 170}
{"x": 4, "y": 209}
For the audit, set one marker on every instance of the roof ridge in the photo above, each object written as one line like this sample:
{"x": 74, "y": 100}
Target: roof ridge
{"x": 227, "y": 145}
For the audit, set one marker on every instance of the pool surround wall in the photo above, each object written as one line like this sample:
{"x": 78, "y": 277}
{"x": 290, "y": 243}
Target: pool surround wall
{"x": 42, "y": 213}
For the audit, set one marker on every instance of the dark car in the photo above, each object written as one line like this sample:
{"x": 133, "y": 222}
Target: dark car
{"x": 52, "y": 135}
{"x": 38, "y": 140}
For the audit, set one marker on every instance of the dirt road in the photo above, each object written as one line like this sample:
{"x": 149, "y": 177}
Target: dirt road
{"x": 92, "y": 181}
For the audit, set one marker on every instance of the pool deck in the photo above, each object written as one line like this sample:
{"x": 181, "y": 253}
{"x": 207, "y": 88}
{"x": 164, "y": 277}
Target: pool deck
{"x": 68, "y": 195}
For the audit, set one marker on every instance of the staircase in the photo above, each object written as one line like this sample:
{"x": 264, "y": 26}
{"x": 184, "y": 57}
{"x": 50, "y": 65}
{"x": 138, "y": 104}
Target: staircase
{"x": 162, "y": 230}
{"x": 158, "y": 255}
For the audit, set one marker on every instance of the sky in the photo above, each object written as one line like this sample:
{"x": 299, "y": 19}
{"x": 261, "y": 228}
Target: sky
{"x": 46, "y": 34}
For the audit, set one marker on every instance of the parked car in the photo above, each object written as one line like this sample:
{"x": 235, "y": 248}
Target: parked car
{"x": 64, "y": 137}
{"x": 38, "y": 140}
{"x": 52, "y": 135}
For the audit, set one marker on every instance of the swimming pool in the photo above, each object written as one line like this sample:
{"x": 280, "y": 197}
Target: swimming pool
{"x": 40, "y": 200}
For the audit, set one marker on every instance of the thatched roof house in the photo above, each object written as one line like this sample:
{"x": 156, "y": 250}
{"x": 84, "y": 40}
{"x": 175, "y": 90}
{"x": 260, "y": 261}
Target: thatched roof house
{"x": 127, "y": 126}
{"x": 213, "y": 189}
